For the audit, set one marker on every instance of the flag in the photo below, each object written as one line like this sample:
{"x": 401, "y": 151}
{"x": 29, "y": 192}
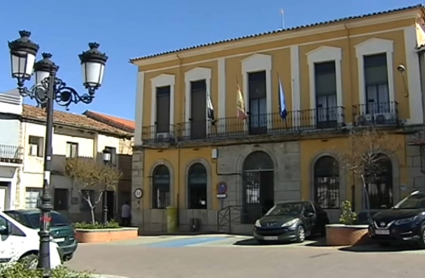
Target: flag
{"x": 240, "y": 104}
{"x": 210, "y": 109}
{"x": 282, "y": 104}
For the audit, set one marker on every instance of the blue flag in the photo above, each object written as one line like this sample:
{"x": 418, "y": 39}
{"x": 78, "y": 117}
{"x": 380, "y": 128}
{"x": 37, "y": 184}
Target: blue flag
{"x": 282, "y": 104}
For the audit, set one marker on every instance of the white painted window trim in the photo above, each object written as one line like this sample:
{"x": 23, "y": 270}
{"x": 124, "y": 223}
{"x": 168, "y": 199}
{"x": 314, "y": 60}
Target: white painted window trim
{"x": 221, "y": 93}
{"x": 163, "y": 80}
{"x": 370, "y": 47}
{"x": 195, "y": 74}
{"x": 295, "y": 84}
{"x": 139, "y": 108}
{"x": 320, "y": 55}
{"x": 254, "y": 63}
{"x": 413, "y": 77}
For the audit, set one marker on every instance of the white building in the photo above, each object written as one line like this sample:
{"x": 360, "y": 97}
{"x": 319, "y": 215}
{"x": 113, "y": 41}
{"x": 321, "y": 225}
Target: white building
{"x": 10, "y": 148}
{"x": 74, "y": 135}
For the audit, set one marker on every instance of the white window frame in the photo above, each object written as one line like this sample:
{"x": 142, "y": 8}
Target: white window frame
{"x": 321, "y": 55}
{"x": 374, "y": 46}
{"x": 196, "y": 74}
{"x": 163, "y": 80}
{"x": 255, "y": 63}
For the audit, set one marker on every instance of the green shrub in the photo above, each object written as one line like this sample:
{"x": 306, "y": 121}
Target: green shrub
{"x": 19, "y": 271}
{"x": 84, "y": 225}
{"x": 348, "y": 216}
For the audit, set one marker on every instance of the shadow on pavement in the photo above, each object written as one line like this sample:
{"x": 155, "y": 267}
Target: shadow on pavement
{"x": 372, "y": 248}
{"x": 317, "y": 242}
{"x": 309, "y": 242}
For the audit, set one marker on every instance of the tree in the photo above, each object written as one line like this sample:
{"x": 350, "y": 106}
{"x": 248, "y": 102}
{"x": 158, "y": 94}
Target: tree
{"x": 89, "y": 176}
{"x": 367, "y": 149}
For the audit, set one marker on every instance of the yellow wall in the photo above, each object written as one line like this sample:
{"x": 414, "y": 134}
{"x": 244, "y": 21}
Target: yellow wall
{"x": 281, "y": 64}
{"x": 310, "y": 150}
{"x": 180, "y": 159}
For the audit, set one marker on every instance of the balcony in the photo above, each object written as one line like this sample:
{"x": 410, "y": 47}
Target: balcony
{"x": 10, "y": 154}
{"x": 381, "y": 113}
{"x": 310, "y": 120}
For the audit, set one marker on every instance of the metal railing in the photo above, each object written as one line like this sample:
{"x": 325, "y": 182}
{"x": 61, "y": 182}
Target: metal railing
{"x": 255, "y": 124}
{"x": 376, "y": 113}
{"x": 10, "y": 153}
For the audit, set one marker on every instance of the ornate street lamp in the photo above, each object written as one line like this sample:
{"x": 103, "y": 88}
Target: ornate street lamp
{"x": 47, "y": 90}
{"x": 106, "y": 160}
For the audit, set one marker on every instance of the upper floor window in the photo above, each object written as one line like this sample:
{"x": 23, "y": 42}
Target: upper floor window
{"x": 163, "y": 109}
{"x": 257, "y": 93}
{"x": 113, "y": 152}
{"x": 36, "y": 146}
{"x": 32, "y": 197}
{"x": 71, "y": 149}
{"x": 326, "y": 94}
{"x": 376, "y": 82}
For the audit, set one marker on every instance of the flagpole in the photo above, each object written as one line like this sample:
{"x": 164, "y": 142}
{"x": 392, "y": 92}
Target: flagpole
{"x": 282, "y": 18}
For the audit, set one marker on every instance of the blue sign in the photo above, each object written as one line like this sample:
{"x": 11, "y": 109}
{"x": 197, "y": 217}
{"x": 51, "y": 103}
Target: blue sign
{"x": 221, "y": 188}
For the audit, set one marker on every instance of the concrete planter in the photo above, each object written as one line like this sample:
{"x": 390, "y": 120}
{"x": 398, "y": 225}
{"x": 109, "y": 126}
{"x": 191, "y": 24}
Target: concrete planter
{"x": 105, "y": 235}
{"x": 346, "y": 235}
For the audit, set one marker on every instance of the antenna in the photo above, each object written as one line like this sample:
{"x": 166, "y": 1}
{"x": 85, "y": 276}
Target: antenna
{"x": 282, "y": 18}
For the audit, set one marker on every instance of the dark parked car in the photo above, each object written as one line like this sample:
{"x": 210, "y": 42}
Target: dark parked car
{"x": 62, "y": 230}
{"x": 291, "y": 221}
{"x": 403, "y": 222}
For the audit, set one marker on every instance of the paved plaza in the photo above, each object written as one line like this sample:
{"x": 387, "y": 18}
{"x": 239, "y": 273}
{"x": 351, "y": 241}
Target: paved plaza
{"x": 225, "y": 256}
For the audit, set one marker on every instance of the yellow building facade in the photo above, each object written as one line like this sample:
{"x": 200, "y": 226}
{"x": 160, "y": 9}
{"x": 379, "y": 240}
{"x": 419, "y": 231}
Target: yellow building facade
{"x": 335, "y": 76}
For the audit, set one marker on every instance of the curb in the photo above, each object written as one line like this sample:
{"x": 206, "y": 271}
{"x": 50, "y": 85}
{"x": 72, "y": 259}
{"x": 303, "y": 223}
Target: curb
{"x": 106, "y": 276}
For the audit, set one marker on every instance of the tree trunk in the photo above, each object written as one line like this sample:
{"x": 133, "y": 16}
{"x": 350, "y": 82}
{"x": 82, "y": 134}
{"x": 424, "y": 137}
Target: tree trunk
{"x": 93, "y": 220}
{"x": 366, "y": 192}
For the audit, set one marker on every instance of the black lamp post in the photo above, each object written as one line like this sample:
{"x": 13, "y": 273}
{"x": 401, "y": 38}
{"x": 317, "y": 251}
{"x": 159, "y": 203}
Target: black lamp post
{"x": 107, "y": 161}
{"x": 47, "y": 89}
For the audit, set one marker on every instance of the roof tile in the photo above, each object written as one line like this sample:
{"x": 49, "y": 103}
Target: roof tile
{"x": 71, "y": 119}
{"x": 124, "y": 124}
{"x": 278, "y": 31}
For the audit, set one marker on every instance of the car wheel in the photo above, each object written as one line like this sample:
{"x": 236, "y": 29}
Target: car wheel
{"x": 29, "y": 261}
{"x": 422, "y": 237}
{"x": 68, "y": 257}
{"x": 300, "y": 234}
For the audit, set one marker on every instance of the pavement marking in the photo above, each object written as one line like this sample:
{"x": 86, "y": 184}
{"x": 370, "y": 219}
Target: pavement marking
{"x": 185, "y": 242}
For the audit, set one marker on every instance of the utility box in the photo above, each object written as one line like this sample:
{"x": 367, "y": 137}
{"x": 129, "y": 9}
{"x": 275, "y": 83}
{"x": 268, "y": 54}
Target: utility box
{"x": 195, "y": 224}
{"x": 172, "y": 219}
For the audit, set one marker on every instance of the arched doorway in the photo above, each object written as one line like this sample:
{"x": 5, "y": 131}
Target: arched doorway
{"x": 379, "y": 183}
{"x": 258, "y": 186}
{"x": 161, "y": 187}
{"x": 326, "y": 182}
{"x": 197, "y": 187}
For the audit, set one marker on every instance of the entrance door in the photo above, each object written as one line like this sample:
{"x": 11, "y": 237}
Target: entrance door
{"x": 110, "y": 200}
{"x": 258, "y": 186}
{"x": 198, "y": 122}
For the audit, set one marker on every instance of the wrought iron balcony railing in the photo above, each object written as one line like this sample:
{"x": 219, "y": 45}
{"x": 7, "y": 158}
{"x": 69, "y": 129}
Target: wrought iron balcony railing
{"x": 11, "y": 154}
{"x": 255, "y": 124}
{"x": 376, "y": 113}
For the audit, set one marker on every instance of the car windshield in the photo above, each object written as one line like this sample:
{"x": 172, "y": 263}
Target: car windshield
{"x": 57, "y": 220}
{"x": 292, "y": 209}
{"x": 415, "y": 201}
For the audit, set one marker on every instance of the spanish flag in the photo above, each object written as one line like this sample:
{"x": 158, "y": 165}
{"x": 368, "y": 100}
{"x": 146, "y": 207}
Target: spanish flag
{"x": 240, "y": 105}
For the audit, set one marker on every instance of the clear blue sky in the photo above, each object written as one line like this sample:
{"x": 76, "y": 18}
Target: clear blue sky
{"x": 131, "y": 28}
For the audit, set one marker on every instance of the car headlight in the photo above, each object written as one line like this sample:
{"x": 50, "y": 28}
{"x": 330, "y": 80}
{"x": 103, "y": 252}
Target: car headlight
{"x": 257, "y": 224}
{"x": 405, "y": 220}
{"x": 290, "y": 223}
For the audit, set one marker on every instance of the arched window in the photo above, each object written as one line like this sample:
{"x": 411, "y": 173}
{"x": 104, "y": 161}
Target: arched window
{"x": 161, "y": 187}
{"x": 197, "y": 186}
{"x": 326, "y": 182}
{"x": 379, "y": 183}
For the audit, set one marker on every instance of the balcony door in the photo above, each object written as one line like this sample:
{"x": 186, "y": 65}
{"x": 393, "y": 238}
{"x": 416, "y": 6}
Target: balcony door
{"x": 326, "y": 98}
{"x": 376, "y": 80}
{"x": 198, "y": 120}
{"x": 257, "y": 92}
{"x": 163, "y": 110}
